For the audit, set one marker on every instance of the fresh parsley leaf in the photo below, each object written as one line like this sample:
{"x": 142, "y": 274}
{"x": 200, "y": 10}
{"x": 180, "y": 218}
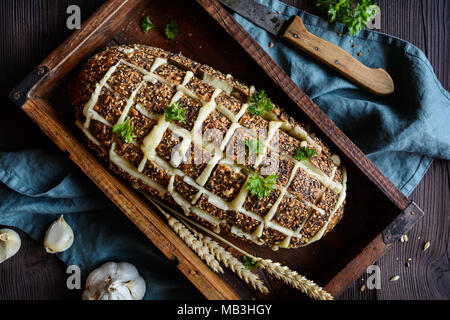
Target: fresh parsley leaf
{"x": 354, "y": 16}
{"x": 124, "y": 130}
{"x": 259, "y": 103}
{"x": 304, "y": 154}
{"x": 175, "y": 112}
{"x": 249, "y": 263}
{"x": 260, "y": 186}
{"x": 253, "y": 147}
{"x": 146, "y": 24}
{"x": 171, "y": 30}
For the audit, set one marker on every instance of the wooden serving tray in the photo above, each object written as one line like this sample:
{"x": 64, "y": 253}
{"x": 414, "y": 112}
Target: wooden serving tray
{"x": 376, "y": 214}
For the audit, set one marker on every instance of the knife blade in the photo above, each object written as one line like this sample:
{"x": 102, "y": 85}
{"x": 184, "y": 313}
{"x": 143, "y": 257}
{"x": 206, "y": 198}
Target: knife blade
{"x": 374, "y": 80}
{"x": 258, "y": 14}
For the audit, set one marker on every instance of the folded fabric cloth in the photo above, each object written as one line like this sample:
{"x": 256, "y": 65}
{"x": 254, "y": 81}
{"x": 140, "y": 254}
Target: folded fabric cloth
{"x": 37, "y": 186}
{"x": 400, "y": 133}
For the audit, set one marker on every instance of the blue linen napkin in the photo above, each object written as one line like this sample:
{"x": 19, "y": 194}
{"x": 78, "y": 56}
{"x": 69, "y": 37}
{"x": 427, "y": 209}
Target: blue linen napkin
{"x": 400, "y": 133}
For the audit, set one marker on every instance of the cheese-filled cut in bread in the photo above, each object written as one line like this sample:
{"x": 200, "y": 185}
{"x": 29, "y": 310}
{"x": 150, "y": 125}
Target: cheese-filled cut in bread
{"x": 218, "y": 149}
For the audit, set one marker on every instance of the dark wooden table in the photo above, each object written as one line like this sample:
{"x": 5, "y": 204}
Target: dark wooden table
{"x": 30, "y": 30}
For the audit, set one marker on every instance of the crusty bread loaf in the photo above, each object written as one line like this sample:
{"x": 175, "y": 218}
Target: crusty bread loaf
{"x": 203, "y": 162}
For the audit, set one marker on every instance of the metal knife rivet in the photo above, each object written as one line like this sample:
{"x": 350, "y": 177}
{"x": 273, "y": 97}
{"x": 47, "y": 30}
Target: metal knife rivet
{"x": 295, "y": 35}
{"x": 41, "y": 71}
{"x": 17, "y": 95}
{"x": 337, "y": 62}
{"x": 316, "y": 48}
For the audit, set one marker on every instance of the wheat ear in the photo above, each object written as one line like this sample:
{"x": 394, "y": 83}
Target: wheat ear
{"x": 232, "y": 263}
{"x": 292, "y": 278}
{"x": 189, "y": 238}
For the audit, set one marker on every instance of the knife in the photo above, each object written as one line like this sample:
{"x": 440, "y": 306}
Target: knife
{"x": 374, "y": 80}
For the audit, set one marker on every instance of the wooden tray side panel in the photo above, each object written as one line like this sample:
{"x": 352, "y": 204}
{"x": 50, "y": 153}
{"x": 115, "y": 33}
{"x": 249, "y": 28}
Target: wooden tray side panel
{"x": 357, "y": 266}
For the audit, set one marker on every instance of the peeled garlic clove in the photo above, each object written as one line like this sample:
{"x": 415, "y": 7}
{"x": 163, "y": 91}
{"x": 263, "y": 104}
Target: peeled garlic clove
{"x": 59, "y": 236}
{"x": 9, "y": 244}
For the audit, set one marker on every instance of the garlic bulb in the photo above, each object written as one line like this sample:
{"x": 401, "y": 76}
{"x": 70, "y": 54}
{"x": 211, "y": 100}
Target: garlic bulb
{"x": 59, "y": 236}
{"x": 115, "y": 281}
{"x": 9, "y": 244}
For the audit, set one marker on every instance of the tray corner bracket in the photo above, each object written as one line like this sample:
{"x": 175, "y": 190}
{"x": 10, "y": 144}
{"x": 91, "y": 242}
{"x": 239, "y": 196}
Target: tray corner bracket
{"x": 402, "y": 224}
{"x": 20, "y": 93}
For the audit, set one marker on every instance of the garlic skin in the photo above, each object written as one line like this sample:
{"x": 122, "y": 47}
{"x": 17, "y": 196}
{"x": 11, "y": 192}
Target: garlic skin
{"x": 59, "y": 236}
{"x": 9, "y": 244}
{"x": 115, "y": 281}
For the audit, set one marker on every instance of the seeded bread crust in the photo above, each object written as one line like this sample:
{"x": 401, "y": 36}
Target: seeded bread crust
{"x": 210, "y": 183}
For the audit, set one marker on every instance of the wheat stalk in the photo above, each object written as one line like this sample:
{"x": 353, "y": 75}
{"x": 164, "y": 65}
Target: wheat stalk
{"x": 280, "y": 272}
{"x": 190, "y": 239}
{"x": 232, "y": 263}
{"x": 294, "y": 279}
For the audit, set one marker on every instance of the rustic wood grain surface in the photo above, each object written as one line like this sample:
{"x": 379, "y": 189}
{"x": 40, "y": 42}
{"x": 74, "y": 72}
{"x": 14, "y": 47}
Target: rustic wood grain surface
{"x": 30, "y": 30}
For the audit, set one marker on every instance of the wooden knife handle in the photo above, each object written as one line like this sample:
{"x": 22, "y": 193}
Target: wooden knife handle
{"x": 377, "y": 81}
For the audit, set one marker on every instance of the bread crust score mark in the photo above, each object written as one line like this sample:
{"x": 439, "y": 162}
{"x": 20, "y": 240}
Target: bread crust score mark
{"x": 201, "y": 164}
